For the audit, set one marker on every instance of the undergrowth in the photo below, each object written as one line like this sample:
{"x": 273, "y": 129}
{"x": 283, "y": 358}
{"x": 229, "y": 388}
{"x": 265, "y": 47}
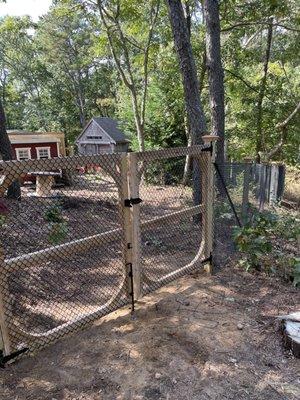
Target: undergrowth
{"x": 268, "y": 242}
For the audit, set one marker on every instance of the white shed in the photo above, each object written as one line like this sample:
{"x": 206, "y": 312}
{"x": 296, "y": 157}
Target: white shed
{"x": 102, "y": 135}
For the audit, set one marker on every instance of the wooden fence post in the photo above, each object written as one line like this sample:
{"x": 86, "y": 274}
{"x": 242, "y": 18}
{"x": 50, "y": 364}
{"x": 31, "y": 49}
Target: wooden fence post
{"x": 127, "y": 223}
{"x": 246, "y": 188}
{"x": 208, "y": 197}
{"x": 134, "y": 184}
{"x": 4, "y": 336}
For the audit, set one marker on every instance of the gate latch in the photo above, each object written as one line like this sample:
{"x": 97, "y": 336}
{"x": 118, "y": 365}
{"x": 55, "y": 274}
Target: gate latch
{"x": 208, "y": 148}
{"x": 130, "y": 202}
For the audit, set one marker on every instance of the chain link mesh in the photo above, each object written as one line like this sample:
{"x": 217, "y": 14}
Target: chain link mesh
{"x": 63, "y": 246}
{"x": 172, "y": 227}
{"x": 71, "y": 250}
{"x": 263, "y": 185}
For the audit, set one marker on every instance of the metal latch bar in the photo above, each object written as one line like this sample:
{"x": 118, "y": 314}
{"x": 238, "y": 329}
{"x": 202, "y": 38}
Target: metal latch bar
{"x": 132, "y": 201}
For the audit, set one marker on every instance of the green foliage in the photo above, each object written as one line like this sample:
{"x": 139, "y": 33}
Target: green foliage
{"x": 253, "y": 240}
{"x": 58, "y": 228}
{"x": 58, "y": 72}
{"x": 287, "y": 227}
{"x": 263, "y": 244}
{"x": 58, "y": 232}
{"x": 54, "y": 214}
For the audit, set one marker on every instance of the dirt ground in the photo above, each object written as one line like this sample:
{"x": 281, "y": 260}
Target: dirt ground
{"x": 200, "y": 337}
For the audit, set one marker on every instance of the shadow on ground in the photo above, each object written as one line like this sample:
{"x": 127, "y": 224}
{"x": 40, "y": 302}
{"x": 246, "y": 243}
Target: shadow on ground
{"x": 198, "y": 338}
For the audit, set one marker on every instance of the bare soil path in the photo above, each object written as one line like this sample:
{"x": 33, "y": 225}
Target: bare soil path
{"x": 198, "y": 338}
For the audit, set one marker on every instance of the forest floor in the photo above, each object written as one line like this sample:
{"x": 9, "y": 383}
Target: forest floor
{"x": 201, "y": 337}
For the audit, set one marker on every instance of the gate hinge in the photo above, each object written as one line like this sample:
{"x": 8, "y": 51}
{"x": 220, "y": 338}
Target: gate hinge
{"x": 5, "y": 359}
{"x": 130, "y": 202}
{"x": 208, "y": 148}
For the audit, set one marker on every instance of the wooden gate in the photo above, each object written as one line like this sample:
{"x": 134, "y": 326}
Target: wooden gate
{"x": 108, "y": 229}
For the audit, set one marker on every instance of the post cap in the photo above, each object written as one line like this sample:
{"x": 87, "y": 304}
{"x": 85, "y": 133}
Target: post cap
{"x": 209, "y": 138}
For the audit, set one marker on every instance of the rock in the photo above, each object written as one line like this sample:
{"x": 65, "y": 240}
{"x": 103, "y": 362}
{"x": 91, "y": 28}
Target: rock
{"x": 233, "y": 360}
{"x": 240, "y": 326}
{"x": 229, "y": 299}
{"x": 158, "y": 375}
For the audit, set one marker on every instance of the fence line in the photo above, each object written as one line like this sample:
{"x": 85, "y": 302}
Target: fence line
{"x": 120, "y": 226}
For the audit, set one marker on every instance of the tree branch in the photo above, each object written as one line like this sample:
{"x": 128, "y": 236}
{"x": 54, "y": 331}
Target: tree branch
{"x": 154, "y": 10}
{"x": 285, "y": 123}
{"x": 250, "y": 23}
{"x": 284, "y": 132}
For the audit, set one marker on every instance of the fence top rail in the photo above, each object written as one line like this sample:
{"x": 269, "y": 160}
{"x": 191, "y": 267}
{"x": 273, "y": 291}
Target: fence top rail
{"x": 170, "y": 152}
{"x": 80, "y": 160}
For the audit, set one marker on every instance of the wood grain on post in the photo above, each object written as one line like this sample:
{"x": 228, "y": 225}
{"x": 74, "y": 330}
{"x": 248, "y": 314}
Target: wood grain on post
{"x": 135, "y": 225}
{"x": 4, "y": 336}
{"x": 127, "y": 223}
{"x": 208, "y": 198}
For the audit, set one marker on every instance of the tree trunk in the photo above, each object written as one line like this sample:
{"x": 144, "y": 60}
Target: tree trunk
{"x": 195, "y": 115}
{"x": 187, "y": 164}
{"x": 260, "y": 140}
{"x": 215, "y": 74}
{"x": 7, "y": 153}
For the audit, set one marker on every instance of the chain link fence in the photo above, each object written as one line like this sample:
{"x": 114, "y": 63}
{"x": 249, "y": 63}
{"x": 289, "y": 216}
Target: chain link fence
{"x": 78, "y": 244}
{"x": 250, "y": 188}
{"x": 174, "y": 227}
{"x": 63, "y": 244}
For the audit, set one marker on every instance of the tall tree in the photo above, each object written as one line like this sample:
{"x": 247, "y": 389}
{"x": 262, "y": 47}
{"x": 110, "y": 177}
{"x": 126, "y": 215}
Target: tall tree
{"x": 260, "y": 136}
{"x": 215, "y": 74}
{"x": 126, "y": 49}
{"x": 195, "y": 114}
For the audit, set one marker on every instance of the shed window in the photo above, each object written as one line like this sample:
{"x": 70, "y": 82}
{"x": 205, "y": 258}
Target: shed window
{"x": 23, "y": 154}
{"x": 43, "y": 153}
{"x": 94, "y": 137}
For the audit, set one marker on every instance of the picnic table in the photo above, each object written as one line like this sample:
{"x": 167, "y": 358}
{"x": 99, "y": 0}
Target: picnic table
{"x": 44, "y": 182}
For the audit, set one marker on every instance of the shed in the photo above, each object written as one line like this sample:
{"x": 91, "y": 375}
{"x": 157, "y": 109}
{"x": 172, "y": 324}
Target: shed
{"x": 102, "y": 135}
{"x": 37, "y": 145}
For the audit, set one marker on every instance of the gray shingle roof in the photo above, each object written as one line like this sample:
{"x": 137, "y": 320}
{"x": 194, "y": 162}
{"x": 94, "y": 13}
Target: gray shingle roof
{"x": 111, "y": 127}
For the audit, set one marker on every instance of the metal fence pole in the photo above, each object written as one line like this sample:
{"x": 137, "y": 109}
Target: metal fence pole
{"x": 245, "y": 203}
{"x": 281, "y": 181}
{"x": 273, "y": 184}
{"x": 4, "y": 335}
{"x": 262, "y": 187}
{"x": 208, "y": 196}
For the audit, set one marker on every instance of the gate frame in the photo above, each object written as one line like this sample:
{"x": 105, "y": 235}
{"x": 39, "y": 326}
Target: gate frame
{"x": 206, "y": 161}
{"x": 129, "y": 176}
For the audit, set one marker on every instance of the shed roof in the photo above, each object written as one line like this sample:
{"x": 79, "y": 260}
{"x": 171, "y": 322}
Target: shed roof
{"x": 110, "y": 126}
{"x": 20, "y": 132}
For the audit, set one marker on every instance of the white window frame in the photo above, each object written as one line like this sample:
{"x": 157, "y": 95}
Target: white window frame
{"x": 18, "y": 149}
{"x": 43, "y": 148}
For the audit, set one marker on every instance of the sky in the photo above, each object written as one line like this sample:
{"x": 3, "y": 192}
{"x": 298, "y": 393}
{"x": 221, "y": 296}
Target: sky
{"x": 34, "y": 8}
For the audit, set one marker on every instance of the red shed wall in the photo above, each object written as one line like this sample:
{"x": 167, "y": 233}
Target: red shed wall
{"x": 33, "y": 146}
